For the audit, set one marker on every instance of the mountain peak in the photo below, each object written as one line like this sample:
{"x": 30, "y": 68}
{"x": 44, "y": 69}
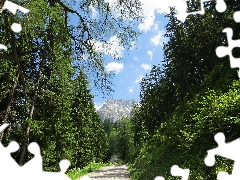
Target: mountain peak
{"x": 115, "y": 109}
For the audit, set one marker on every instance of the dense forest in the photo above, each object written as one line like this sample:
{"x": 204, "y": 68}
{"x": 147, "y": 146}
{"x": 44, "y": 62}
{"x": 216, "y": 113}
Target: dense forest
{"x": 45, "y": 75}
{"x": 184, "y": 101}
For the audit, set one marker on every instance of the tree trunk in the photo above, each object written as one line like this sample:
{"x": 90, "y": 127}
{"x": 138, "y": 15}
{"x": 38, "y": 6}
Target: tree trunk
{"x": 25, "y": 142}
{"x": 27, "y": 133}
{"x": 8, "y": 108}
{"x": 11, "y": 38}
{"x": 2, "y": 2}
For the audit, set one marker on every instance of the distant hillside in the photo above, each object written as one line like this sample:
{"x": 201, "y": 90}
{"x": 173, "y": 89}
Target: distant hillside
{"x": 115, "y": 109}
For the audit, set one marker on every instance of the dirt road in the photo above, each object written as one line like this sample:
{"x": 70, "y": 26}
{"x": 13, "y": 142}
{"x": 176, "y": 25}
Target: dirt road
{"x": 118, "y": 172}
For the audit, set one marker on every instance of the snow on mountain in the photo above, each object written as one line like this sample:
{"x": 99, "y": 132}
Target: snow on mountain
{"x": 115, "y": 109}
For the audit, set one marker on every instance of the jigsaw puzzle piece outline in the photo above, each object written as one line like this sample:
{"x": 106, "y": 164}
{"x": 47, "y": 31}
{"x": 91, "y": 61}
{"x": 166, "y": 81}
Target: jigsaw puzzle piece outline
{"x": 236, "y": 16}
{"x": 156, "y": 178}
{"x": 5, "y": 156}
{"x": 223, "y": 176}
{"x": 177, "y": 171}
{"x": 12, "y": 7}
{"x": 223, "y": 149}
{"x": 35, "y": 164}
{"x": 3, "y": 126}
{"x": 222, "y": 51}
{"x": 182, "y": 9}
{"x": 228, "y": 150}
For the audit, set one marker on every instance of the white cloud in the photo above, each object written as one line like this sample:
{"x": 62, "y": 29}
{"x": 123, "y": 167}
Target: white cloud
{"x": 139, "y": 79}
{"x": 84, "y": 56}
{"x": 150, "y": 53}
{"x": 94, "y": 12}
{"x": 156, "y": 28}
{"x": 130, "y": 90}
{"x": 133, "y": 45}
{"x": 146, "y": 66}
{"x": 111, "y": 1}
{"x": 150, "y": 6}
{"x": 156, "y": 40}
{"x": 115, "y": 47}
{"x": 114, "y": 66}
{"x": 112, "y": 47}
{"x": 135, "y": 58}
{"x": 98, "y": 105}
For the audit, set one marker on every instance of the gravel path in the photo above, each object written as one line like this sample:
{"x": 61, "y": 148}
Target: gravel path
{"x": 118, "y": 172}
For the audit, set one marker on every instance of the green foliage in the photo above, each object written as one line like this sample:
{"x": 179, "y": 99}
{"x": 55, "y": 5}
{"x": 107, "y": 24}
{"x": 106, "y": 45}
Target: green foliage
{"x": 158, "y": 99}
{"x": 111, "y": 134}
{"x": 112, "y": 143}
{"x": 44, "y": 93}
{"x": 187, "y": 101}
{"x": 79, "y": 172}
{"x": 124, "y": 139}
{"x": 120, "y": 137}
{"x": 108, "y": 126}
{"x": 185, "y": 138}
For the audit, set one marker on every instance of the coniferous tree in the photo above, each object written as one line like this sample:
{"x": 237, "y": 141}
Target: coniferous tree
{"x": 38, "y": 93}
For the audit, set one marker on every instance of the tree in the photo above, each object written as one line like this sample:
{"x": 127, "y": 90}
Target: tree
{"x": 124, "y": 139}
{"x": 108, "y": 126}
{"x": 189, "y": 99}
{"x": 37, "y": 71}
{"x": 190, "y": 52}
{"x": 91, "y": 143}
{"x": 189, "y": 56}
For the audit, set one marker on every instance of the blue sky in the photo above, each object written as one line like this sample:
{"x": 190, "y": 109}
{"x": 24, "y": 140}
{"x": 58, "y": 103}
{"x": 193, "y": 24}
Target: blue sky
{"x": 137, "y": 61}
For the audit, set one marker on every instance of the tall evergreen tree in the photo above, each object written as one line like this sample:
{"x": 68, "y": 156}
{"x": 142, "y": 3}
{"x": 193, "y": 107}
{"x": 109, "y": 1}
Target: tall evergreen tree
{"x": 38, "y": 75}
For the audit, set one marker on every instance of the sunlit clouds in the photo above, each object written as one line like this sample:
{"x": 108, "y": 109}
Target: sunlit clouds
{"x": 146, "y": 67}
{"x": 150, "y": 53}
{"x": 114, "y": 66}
{"x": 112, "y": 47}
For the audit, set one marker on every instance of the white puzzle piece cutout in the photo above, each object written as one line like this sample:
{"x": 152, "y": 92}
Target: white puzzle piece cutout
{"x": 33, "y": 169}
{"x": 222, "y": 51}
{"x": 182, "y": 9}
{"x": 12, "y": 7}
{"x": 178, "y": 172}
{"x": 228, "y": 150}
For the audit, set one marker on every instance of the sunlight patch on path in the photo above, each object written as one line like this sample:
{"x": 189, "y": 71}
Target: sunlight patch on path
{"x": 109, "y": 173}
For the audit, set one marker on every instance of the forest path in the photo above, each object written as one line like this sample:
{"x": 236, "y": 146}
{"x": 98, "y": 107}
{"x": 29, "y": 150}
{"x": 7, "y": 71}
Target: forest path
{"x": 117, "y": 172}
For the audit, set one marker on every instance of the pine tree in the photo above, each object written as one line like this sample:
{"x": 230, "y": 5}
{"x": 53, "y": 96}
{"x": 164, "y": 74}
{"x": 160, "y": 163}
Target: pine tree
{"x": 38, "y": 76}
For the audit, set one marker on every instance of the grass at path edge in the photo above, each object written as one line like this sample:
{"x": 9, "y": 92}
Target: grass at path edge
{"x": 77, "y": 173}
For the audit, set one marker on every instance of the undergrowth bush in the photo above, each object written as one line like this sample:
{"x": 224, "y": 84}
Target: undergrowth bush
{"x": 77, "y": 173}
{"x": 188, "y": 134}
